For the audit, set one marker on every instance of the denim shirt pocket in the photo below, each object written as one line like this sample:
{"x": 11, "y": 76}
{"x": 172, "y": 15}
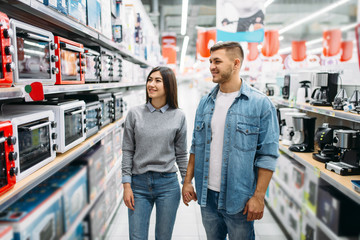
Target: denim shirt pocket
{"x": 246, "y": 137}
{"x": 199, "y": 133}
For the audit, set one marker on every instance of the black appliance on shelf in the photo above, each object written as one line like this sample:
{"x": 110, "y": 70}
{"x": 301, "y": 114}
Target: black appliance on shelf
{"x": 325, "y": 90}
{"x": 286, "y": 87}
{"x": 340, "y": 100}
{"x": 303, "y": 139}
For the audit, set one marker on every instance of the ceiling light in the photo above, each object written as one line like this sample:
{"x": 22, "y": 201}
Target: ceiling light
{"x": 281, "y": 38}
{"x": 267, "y": 3}
{"x": 185, "y": 5}
{"x": 183, "y": 53}
{"x": 313, "y": 15}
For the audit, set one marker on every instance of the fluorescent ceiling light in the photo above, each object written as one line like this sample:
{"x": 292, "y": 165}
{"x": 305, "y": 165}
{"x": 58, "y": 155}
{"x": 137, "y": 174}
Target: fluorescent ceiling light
{"x": 267, "y": 3}
{"x": 185, "y": 5}
{"x": 183, "y": 53}
{"x": 312, "y": 16}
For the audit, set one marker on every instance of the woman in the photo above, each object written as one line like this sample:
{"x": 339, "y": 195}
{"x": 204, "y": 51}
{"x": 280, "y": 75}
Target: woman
{"x": 154, "y": 139}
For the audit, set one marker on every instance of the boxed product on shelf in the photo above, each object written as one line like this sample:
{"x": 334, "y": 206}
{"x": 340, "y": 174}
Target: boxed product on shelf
{"x": 311, "y": 189}
{"x": 127, "y": 71}
{"x": 119, "y": 186}
{"x": 106, "y": 28}
{"x": 108, "y": 144}
{"x": 94, "y": 223}
{"x": 6, "y": 232}
{"x": 129, "y": 27}
{"x": 93, "y": 16}
{"x": 77, "y": 10}
{"x": 117, "y": 141}
{"x": 95, "y": 161}
{"x": 72, "y": 180}
{"x": 297, "y": 181}
{"x": 338, "y": 212}
{"x": 78, "y": 233}
{"x": 37, "y": 215}
{"x": 293, "y": 219}
{"x": 282, "y": 206}
{"x": 110, "y": 195}
{"x": 60, "y": 5}
{"x": 308, "y": 225}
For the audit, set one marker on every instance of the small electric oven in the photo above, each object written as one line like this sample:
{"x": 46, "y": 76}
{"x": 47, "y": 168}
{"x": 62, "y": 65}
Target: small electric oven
{"x": 106, "y": 64}
{"x": 106, "y": 101}
{"x": 93, "y": 66}
{"x": 117, "y": 69}
{"x": 7, "y": 157}
{"x": 71, "y": 62}
{"x": 70, "y": 116}
{"x": 36, "y": 140}
{"x": 93, "y": 118}
{"x": 34, "y": 54}
{"x": 6, "y": 52}
{"x": 119, "y": 105}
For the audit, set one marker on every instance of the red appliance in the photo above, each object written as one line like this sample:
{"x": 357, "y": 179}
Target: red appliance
{"x": 71, "y": 62}
{"x": 7, "y": 157}
{"x": 6, "y": 64}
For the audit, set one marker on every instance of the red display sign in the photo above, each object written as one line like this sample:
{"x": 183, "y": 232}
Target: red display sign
{"x": 206, "y": 38}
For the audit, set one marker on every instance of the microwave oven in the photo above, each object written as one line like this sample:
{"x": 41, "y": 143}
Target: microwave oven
{"x": 93, "y": 66}
{"x": 71, "y": 62}
{"x": 117, "y": 68}
{"x": 69, "y": 115}
{"x": 6, "y": 52}
{"x": 93, "y": 118}
{"x": 7, "y": 157}
{"x": 36, "y": 140}
{"x": 34, "y": 54}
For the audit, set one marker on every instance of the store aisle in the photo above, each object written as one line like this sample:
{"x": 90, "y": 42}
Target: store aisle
{"x": 188, "y": 225}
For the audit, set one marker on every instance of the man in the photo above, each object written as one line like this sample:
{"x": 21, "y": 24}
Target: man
{"x": 234, "y": 150}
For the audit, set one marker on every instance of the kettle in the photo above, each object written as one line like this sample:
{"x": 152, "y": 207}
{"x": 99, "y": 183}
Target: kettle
{"x": 303, "y": 93}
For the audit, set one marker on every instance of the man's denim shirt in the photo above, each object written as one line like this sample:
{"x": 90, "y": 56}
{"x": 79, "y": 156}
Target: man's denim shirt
{"x": 251, "y": 141}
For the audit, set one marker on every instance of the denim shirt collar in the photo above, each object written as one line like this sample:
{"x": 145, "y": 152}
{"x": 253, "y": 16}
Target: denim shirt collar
{"x": 153, "y": 109}
{"x": 244, "y": 90}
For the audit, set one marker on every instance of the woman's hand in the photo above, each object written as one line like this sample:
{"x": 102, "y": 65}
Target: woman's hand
{"x": 188, "y": 193}
{"x": 128, "y": 196}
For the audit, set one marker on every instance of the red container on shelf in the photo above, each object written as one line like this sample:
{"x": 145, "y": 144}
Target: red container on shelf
{"x": 7, "y": 66}
{"x": 7, "y": 157}
{"x": 71, "y": 64}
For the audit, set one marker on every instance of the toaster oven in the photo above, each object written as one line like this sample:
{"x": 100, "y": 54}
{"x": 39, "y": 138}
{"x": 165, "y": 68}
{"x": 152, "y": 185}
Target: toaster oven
{"x": 71, "y": 62}
{"x": 118, "y": 105}
{"x": 34, "y": 54}
{"x": 93, "y": 118}
{"x": 69, "y": 115}
{"x": 7, "y": 157}
{"x": 36, "y": 140}
{"x": 93, "y": 66}
{"x": 106, "y": 64}
{"x": 6, "y": 52}
{"x": 117, "y": 68}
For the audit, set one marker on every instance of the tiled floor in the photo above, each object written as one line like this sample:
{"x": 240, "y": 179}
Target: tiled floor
{"x": 188, "y": 225}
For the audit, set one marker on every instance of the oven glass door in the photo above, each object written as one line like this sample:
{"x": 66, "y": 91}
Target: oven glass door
{"x": 91, "y": 67}
{"x": 92, "y": 118}
{"x": 73, "y": 125}
{"x": 34, "y": 143}
{"x": 70, "y": 69}
{"x": 33, "y": 56}
{"x": 3, "y": 167}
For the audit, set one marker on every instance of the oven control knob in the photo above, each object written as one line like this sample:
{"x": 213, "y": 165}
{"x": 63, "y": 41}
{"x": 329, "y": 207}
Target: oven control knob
{"x": 85, "y": 121}
{"x": 8, "y": 33}
{"x": 53, "y": 46}
{"x": 85, "y": 130}
{"x": 13, "y": 171}
{"x": 54, "y": 58}
{"x": 9, "y": 50}
{"x": 12, "y": 156}
{"x": 54, "y": 136}
{"x": 10, "y": 67}
{"x": 100, "y": 123}
{"x": 11, "y": 140}
{"x": 55, "y": 147}
{"x": 55, "y": 70}
{"x": 53, "y": 124}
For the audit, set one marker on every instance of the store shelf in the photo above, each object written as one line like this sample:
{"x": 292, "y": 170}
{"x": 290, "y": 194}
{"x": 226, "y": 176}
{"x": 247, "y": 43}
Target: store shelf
{"x": 61, "y": 160}
{"x": 329, "y": 232}
{"x": 36, "y": 13}
{"x": 342, "y": 183}
{"x": 328, "y": 111}
{"x": 287, "y": 190}
{"x": 11, "y": 92}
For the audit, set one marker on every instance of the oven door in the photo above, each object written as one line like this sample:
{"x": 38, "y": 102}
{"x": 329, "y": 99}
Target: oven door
{"x": 34, "y": 55}
{"x": 74, "y": 125}
{"x": 34, "y": 144}
{"x": 93, "y": 119}
{"x": 71, "y": 66}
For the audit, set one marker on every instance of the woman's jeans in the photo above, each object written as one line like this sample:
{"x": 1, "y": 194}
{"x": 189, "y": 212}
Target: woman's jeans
{"x": 218, "y": 223}
{"x": 161, "y": 189}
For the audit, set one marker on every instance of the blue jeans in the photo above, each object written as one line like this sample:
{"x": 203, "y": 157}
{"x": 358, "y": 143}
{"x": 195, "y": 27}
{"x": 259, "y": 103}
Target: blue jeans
{"x": 152, "y": 188}
{"x": 218, "y": 223}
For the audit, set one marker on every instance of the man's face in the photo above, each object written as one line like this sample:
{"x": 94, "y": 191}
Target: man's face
{"x": 221, "y": 66}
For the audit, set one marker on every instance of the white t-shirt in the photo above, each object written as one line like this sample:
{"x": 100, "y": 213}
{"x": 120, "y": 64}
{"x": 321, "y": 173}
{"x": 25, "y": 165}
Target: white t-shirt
{"x": 222, "y": 105}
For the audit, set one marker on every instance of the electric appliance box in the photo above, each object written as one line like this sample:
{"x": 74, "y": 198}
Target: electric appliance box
{"x": 34, "y": 54}
{"x": 96, "y": 220}
{"x": 77, "y": 10}
{"x": 94, "y": 14}
{"x": 71, "y": 62}
{"x": 36, "y": 140}
{"x": 6, "y": 232}
{"x": 7, "y": 50}
{"x": 60, "y": 5}
{"x": 69, "y": 115}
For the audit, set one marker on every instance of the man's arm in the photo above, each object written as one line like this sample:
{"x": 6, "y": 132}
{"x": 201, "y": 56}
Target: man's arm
{"x": 188, "y": 192}
{"x": 255, "y": 206}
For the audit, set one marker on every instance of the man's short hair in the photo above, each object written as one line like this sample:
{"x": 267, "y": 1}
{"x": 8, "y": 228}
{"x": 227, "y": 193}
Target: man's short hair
{"x": 234, "y": 48}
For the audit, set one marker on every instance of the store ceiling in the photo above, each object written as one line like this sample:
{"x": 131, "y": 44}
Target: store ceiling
{"x": 277, "y": 15}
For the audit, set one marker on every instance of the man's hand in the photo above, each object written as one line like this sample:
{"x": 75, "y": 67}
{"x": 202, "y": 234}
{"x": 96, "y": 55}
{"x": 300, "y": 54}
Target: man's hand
{"x": 254, "y": 208}
{"x": 128, "y": 196}
{"x": 188, "y": 193}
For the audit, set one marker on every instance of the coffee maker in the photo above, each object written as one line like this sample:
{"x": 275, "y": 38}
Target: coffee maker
{"x": 289, "y": 132}
{"x": 325, "y": 90}
{"x": 286, "y": 87}
{"x": 348, "y": 141}
{"x": 303, "y": 93}
{"x": 282, "y": 120}
{"x": 304, "y": 129}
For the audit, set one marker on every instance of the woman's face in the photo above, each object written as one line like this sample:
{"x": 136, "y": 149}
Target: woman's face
{"x": 155, "y": 86}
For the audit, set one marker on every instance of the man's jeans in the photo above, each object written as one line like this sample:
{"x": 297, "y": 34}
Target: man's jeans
{"x": 218, "y": 223}
{"x": 162, "y": 189}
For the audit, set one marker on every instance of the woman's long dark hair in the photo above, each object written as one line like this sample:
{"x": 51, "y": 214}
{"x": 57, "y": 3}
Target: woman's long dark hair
{"x": 170, "y": 85}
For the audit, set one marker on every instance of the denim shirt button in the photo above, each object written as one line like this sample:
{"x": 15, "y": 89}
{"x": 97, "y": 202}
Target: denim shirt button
{"x": 247, "y": 131}
{"x": 207, "y": 160}
{"x": 205, "y": 177}
{"x": 208, "y": 142}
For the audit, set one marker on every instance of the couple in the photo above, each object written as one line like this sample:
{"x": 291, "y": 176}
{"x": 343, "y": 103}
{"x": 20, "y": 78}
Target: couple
{"x": 233, "y": 152}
